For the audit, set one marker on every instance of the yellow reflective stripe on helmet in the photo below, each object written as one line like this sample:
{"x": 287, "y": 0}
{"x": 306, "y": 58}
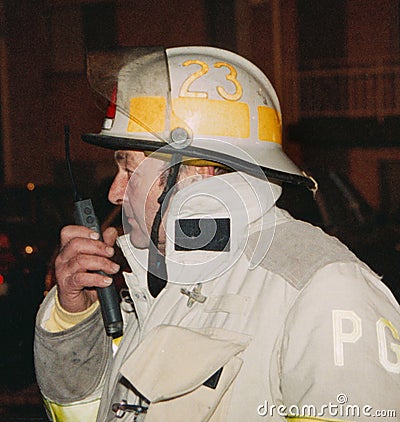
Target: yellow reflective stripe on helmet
{"x": 213, "y": 117}
{"x": 79, "y": 412}
{"x": 203, "y": 116}
{"x": 269, "y": 125}
{"x": 147, "y": 114}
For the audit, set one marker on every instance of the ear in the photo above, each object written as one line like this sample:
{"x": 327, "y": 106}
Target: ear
{"x": 190, "y": 174}
{"x": 196, "y": 172}
{"x": 204, "y": 171}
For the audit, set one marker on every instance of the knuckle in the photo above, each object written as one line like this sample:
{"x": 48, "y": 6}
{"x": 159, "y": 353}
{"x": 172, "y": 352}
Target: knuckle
{"x": 74, "y": 243}
{"x": 64, "y": 233}
{"x": 77, "y": 279}
{"x": 101, "y": 248}
{"x": 106, "y": 264}
{"x": 80, "y": 260}
{"x": 58, "y": 261}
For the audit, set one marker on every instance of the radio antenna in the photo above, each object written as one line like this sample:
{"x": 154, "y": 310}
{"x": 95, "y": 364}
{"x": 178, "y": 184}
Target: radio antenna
{"x": 77, "y": 196}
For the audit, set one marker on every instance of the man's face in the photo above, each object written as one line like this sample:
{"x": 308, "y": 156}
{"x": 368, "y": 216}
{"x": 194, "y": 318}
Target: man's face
{"x": 137, "y": 186}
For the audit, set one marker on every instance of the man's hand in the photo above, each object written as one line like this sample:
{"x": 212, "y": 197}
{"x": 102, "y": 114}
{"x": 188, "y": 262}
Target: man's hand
{"x": 80, "y": 252}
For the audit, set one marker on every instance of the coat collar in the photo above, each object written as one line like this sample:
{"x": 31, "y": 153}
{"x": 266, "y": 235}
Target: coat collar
{"x": 249, "y": 204}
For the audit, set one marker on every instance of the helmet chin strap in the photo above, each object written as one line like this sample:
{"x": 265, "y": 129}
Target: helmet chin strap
{"x": 157, "y": 276}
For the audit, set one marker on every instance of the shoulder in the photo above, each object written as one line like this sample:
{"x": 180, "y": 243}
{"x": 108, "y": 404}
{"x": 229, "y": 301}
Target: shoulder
{"x": 298, "y": 250}
{"x": 343, "y": 326}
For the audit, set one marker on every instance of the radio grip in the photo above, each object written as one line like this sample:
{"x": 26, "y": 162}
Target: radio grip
{"x": 84, "y": 215}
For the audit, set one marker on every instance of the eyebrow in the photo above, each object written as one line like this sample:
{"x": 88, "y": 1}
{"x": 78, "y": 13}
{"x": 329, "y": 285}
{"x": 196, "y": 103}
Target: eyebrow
{"x": 120, "y": 156}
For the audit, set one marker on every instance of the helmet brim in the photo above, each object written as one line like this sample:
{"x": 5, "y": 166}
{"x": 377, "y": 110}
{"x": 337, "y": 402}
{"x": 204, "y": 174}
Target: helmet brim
{"x": 125, "y": 143}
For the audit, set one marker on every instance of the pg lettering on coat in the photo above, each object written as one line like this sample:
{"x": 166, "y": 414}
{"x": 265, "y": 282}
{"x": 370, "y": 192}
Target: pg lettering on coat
{"x": 347, "y": 329}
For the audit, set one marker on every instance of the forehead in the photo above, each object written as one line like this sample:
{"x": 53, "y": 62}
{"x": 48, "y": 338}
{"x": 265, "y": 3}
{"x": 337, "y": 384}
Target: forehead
{"x": 135, "y": 160}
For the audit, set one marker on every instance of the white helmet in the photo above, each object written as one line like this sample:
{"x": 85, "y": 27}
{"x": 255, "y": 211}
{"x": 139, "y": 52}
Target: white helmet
{"x": 196, "y": 100}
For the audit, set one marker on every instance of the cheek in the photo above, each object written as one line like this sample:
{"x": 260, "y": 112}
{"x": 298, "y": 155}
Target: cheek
{"x": 152, "y": 205}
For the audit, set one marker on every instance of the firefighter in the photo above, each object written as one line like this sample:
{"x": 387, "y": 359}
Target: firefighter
{"x": 236, "y": 311}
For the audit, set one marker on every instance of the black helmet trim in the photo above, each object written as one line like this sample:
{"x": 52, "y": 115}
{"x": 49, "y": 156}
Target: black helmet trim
{"x": 123, "y": 143}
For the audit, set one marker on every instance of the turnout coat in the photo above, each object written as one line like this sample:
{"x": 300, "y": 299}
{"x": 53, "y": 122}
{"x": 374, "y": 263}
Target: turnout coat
{"x": 288, "y": 323}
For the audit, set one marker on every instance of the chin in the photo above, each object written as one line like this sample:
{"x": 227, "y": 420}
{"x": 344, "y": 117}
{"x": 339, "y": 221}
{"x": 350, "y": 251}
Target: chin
{"x": 139, "y": 241}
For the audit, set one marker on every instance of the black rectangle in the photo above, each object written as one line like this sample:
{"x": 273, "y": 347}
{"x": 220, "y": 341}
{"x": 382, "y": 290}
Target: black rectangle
{"x": 207, "y": 234}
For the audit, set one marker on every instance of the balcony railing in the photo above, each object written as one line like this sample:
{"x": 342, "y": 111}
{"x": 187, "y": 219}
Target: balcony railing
{"x": 364, "y": 91}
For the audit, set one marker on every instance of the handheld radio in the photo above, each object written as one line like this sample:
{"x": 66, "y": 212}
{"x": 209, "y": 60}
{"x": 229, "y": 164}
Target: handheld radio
{"x": 84, "y": 215}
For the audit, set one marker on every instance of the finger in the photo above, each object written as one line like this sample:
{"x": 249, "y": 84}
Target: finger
{"x": 83, "y": 262}
{"x": 110, "y": 236}
{"x": 70, "y": 232}
{"x": 77, "y": 301}
{"x": 81, "y": 280}
{"x": 76, "y": 297}
{"x": 78, "y": 245}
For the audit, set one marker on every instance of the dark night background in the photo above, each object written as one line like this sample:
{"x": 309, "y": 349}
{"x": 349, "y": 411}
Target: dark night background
{"x": 334, "y": 63}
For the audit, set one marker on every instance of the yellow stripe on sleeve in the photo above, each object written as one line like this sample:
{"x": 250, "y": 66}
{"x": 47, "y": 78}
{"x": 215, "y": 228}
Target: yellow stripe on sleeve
{"x": 75, "y": 412}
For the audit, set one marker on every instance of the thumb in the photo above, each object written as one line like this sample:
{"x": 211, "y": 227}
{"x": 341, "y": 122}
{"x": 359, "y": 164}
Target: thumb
{"x": 110, "y": 235}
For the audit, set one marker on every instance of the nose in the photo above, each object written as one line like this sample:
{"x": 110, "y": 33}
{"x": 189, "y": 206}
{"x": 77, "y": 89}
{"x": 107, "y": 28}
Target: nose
{"x": 117, "y": 189}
